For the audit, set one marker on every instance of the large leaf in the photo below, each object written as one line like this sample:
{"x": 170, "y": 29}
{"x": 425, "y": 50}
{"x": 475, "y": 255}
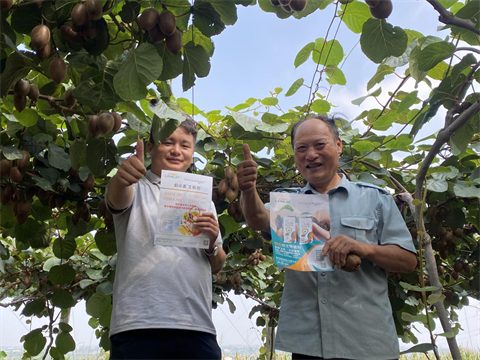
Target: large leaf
{"x": 294, "y": 87}
{"x": 101, "y": 155}
{"x": 25, "y": 18}
{"x": 207, "y": 19}
{"x": 246, "y": 122}
{"x": 194, "y": 35}
{"x": 433, "y": 54}
{"x": 61, "y": 274}
{"x": 16, "y": 68}
{"x": 78, "y": 153}
{"x": 106, "y": 242}
{"x": 98, "y": 92}
{"x": 380, "y": 40}
{"x": 420, "y": 348}
{"x": 163, "y": 128}
{"x": 355, "y": 14}
{"x": 172, "y": 63}
{"x": 239, "y": 133}
{"x": 304, "y": 54}
{"x": 99, "y": 43}
{"x": 58, "y": 158}
{"x": 408, "y": 101}
{"x": 321, "y": 106}
{"x": 98, "y": 304}
{"x": 327, "y": 53}
{"x": 64, "y": 342}
{"x": 34, "y": 307}
{"x": 141, "y": 67}
{"x": 335, "y": 75}
{"x": 62, "y": 299}
{"x": 63, "y": 248}
{"x": 226, "y": 9}
{"x": 382, "y": 71}
{"x": 162, "y": 110}
{"x": 195, "y": 63}
{"x": 34, "y": 342}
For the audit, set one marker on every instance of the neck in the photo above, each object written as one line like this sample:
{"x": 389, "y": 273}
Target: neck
{"x": 323, "y": 188}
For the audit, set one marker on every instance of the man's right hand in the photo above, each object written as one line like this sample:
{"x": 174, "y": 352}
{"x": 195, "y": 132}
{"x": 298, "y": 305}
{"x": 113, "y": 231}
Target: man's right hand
{"x": 247, "y": 172}
{"x": 132, "y": 169}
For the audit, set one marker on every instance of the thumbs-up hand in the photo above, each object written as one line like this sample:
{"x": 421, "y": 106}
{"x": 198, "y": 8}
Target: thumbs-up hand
{"x": 247, "y": 171}
{"x": 132, "y": 169}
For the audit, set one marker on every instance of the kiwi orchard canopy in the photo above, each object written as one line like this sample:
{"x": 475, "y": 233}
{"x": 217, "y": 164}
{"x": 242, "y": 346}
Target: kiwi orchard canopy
{"x": 75, "y": 73}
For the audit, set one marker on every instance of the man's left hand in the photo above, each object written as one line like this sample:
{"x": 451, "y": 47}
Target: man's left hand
{"x": 207, "y": 224}
{"x": 340, "y": 246}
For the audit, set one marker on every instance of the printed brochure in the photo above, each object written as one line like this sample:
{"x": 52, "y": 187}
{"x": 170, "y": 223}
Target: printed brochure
{"x": 300, "y": 227}
{"x": 183, "y": 196}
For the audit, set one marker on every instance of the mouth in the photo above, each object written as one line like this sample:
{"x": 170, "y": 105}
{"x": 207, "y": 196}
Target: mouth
{"x": 314, "y": 165}
{"x": 175, "y": 161}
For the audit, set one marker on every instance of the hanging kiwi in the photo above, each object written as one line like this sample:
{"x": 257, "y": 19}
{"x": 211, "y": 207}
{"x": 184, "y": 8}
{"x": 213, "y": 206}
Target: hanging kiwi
{"x": 148, "y": 19}
{"x": 222, "y": 187}
{"x": 33, "y": 93}
{"x": 79, "y": 14}
{"x": 174, "y": 42}
{"x": 382, "y": 10}
{"x": 231, "y": 209}
{"x": 106, "y": 122}
{"x": 298, "y": 5}
{"x": 353, "y": 263}
{"x": 69, "y": 99}
{"x": 5, "y": 167}
{"x": 21, "y": 87}
{"x": 71, "y": 35}
{"x": 20, "y": 102}
{"x": 118, "y": 121}
{"x": 372, "y": 3}
{"x": 93, "y": 128}
{"x": 58, "y": 70}
{"x": 231, "y": 194}
{"x": 234, "y": 182}
{"x": 16, "y": 175}
{"x": 229, "y": 172}
{"x": 24, "y": 161}
{"x": 102, "y": 208}
{"x": 167, "y": 22}
{"x": 156, "y": 34}
{"x": 40, "y": 36}
{"x": 89, "y": 182}
{"x": 94, "y": 9}
{"x": 44, "y": 52}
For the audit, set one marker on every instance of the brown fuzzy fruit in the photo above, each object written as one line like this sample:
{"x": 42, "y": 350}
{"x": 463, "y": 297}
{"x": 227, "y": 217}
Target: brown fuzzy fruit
{"x": 24, "y": 207}
{"x": 69, "y": 99}
{"x": 222, "y": 187}
{"x": 234, "y": 182}
{"x": 458, "y": 266}
{"x": 458, "y": 232}
{"x": 40, "y": 36}
{"x": 5, "y": 167}
{"x": 275, "y": 2}
{"x": 232, "y": 209}
{"x": 21, "y": 219}
{"x": 298, "y": 5}
{"x": 79, "y": 14}
{"x": 106, "y": 122}
{"x": 167, "y": 22}
{"x": 454, "y": 275}
{"x": 229, "y": 172}
{"x": 58, "y": 70}
{"x": 148, "y": 19}
{"x": 174, "y": 42}
{"x": 467, "y": 268}
{"x": 156, "y": 34}
{"x": 231, "y": 194}
{"x": 118, "y": 121}
{"x": 71, "y": 35}
{"x": 24, "y": 161}
{"x": 6, "y": 4}
{"x": 286, "y": 8}
{"x": 20, "y": 102}
{"x": 93, "y": 128}
{"x": 102, "y": 207}
{"x": 33, "y": 93}
{"x": 353, "y": 263}
{"x": 21, "y": 88}
{"x": 16, "y": 175}
{"x": 94, "y": 9}
{"x": 382, "y": 10}
{"x": 89, "y": 182}
{"x": 372, "y": 3}
{"x": 44, "y": 52}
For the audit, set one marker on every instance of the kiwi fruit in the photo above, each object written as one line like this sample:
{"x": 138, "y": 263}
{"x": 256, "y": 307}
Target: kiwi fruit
{"x": 83, "y": 193}
{"x": 275, "y": 2}
{"x": 21, "y": 87}
{"x": 58, "y": 70}
{"x": 102, "y": 207}
{"x": 234, "y": 182}
{"x": 24, "y": 207}
{"x": 71, "y": 35}
{"x": 24, "y": 161}
{"x": 16, "y": 175}
{"x": 44, "y": 52}
{"x": 458, "y": 232}
{"x": 5, "y": 167}
{"x": 94, "y": 9}
{"x": 40, "y": 36}
{"x": 79, "y": 14}
{"x": 82, "y": 207}
{"x": 372, "y": 3}
{"x": 174, "y": 42}
{"x": 454, "y": 275}
{"x": 167, "y": 22}
{"x": 21, "y": 219}
{"x": 105, "y": 122}
{"x": 353, "y": 263}
{"x": 93, "y": 128}
{"x": 156, "y": 34}
{"x": 89, "y": 30}
{"x": 229, "y": 172}
{"x": 284, "y": 2}
{"x": 20, "y": 102}
{"x": 42, "y": 194}
{"x": 237, "y": 216}
{"x": 118, "y": 121}
{"x": 148, "y": 19}
{"x": 231, "y": 209}
{"x": 89, "y": 182}
{"x": 6, "y": 4}
{"x": 231, "y": 194}
{"x": 30, "y": 192}
{"x": 33, "y": 93}
{"x": 298, "y": 5}
{"x": 458, "y": 266}
{"x": 467, "y": 268}
{"x": 69, "y": 99}
{"x": 223, "y": 187}
{"x": 382, "y": 10}
{"x": 286, "y": 8}
{"x": 59, "y": 201}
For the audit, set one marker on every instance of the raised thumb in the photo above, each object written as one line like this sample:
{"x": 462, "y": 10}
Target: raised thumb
{"x": 247, "y": 155}
{"x": 139, "y": 150}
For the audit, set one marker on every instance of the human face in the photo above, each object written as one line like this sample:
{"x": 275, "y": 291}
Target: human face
{"x": 174, "y": 153}
{"x": 316, "y": 154}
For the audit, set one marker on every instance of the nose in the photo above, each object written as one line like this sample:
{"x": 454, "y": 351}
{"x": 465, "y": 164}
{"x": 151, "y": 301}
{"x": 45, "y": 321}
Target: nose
{"x": 175, "y": 149}
{"x": 311, "y": 153}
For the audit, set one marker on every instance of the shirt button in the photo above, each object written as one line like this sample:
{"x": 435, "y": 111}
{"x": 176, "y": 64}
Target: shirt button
{"x": 324, "y": 301}
{"x": 324, "y": 273}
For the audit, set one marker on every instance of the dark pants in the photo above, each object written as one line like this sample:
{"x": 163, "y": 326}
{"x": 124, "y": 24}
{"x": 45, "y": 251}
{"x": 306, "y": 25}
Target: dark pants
{"x": 164, "y": 344}
{"x": 306, "y": 357}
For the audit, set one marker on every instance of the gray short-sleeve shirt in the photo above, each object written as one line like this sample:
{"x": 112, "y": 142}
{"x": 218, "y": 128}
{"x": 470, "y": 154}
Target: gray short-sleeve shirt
{"x": 157, "y": 286}
{"x": 339, "y": 314}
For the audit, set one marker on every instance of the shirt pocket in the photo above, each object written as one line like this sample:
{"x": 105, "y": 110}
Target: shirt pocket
{"x": 359, "y": 228}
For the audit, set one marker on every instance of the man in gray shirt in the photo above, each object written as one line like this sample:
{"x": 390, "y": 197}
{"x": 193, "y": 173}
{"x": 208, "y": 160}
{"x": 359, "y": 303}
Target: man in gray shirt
{"x": 162, "y": 295}
{"x": 338, "y": 314}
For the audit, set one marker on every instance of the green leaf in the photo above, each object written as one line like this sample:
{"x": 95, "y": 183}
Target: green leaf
{"x": 447, "y": 3}
{"x": 439, "y": 71}
{"x": 101, "y": 155}
{"x": 464, "y": 64}
{"x": 231, "y": 306}
{"x": 207, "y": 19}
{"x": 269, "y": 101}
{"x": 25, "y": 18}
{"x": 304, "y": 54}
{"x": 141, "y": 67}
{"x": 35, "y": 344}
{"x": 437, "y": 185}
{"x": 64, "y": 342}
{"x": 254, "y": 243}
{"x": 321, "y": 106}
{"x": 136, "y": 124}
{"x": 239, "y": 133}
{"x": 194, "y": 35}
{"x": 34, "y": 307}
{"x": 78, "y": 153}
{"x": 420, "y": 348}
{"x": 135, "y": 110}
{"x": 172, "y": 63}
{"x": 329, "y": 53}
{"x": 162, "y": 110}
{"x": 363, "y": 146}
{"x": 64, "y": 248}
{"x": 449, "y": 334}
{"x": 226, "y": 9}
{"x": 99, "y": 43}
{"x": 23, "y": 233}
{"x": 407, "y": 101}
{"x": 228, "y": 223}
{"x": 312, "y": 6}
{"x": 335, "y": 75}
{"x": 246, "y": 122}
{"x": 434, "y": 298}
{"x": 55, "y": 354}
{"x": 65, "y": 327}
{"x": 380, "y": 40}
{"x": 28, "y": 117}
{"x": 295, "y": 86}
{"x": 58, "y": 158}
{"x": 196, "y": 63}
{"x": 16, "y": 68}
{"x": 461, "y": 189}
{"x": 408, "y": 286}
{"x": 61, "y": 274}
{"x": 382, "y": 71}
{"x": 415, "y": 71}
{"x": 62, "y": 299}
{"x": 106, "y": 242}
{"x": 98, "y": 304}
{"x": 278, "y": 127}
{"x": 433, "y": 54}
{"x": 355, "y": 15}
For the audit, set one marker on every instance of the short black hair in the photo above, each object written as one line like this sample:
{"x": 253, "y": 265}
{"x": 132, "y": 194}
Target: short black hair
{"x": 329, "y": 121}
{"x": 188, "y": 124}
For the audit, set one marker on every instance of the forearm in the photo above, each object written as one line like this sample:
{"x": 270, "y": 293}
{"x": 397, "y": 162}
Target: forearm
{"x": 254, "y": 211}
{"x": 391, "y": 258}
{"x": 217, "y": 261}
{"x": 119, "y": 196}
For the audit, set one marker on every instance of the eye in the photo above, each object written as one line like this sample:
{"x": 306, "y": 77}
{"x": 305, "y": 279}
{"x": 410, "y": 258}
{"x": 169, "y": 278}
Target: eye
{"x": 319, "y": 145}
{"x": 300, "y": 148}
{"x": 167, "y": 143}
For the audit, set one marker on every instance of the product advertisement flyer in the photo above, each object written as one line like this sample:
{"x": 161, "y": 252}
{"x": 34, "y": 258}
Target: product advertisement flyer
{"x": 300, "y": 226}
{"x": 183, "y": 197}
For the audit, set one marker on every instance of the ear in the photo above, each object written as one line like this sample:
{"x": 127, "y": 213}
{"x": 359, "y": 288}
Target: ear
{"x": 149, "y": 147}
{"x": 339, "y": 146}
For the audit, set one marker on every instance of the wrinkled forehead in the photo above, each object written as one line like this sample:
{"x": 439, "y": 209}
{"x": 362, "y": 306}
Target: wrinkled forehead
{"x": 313, "y": 129}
